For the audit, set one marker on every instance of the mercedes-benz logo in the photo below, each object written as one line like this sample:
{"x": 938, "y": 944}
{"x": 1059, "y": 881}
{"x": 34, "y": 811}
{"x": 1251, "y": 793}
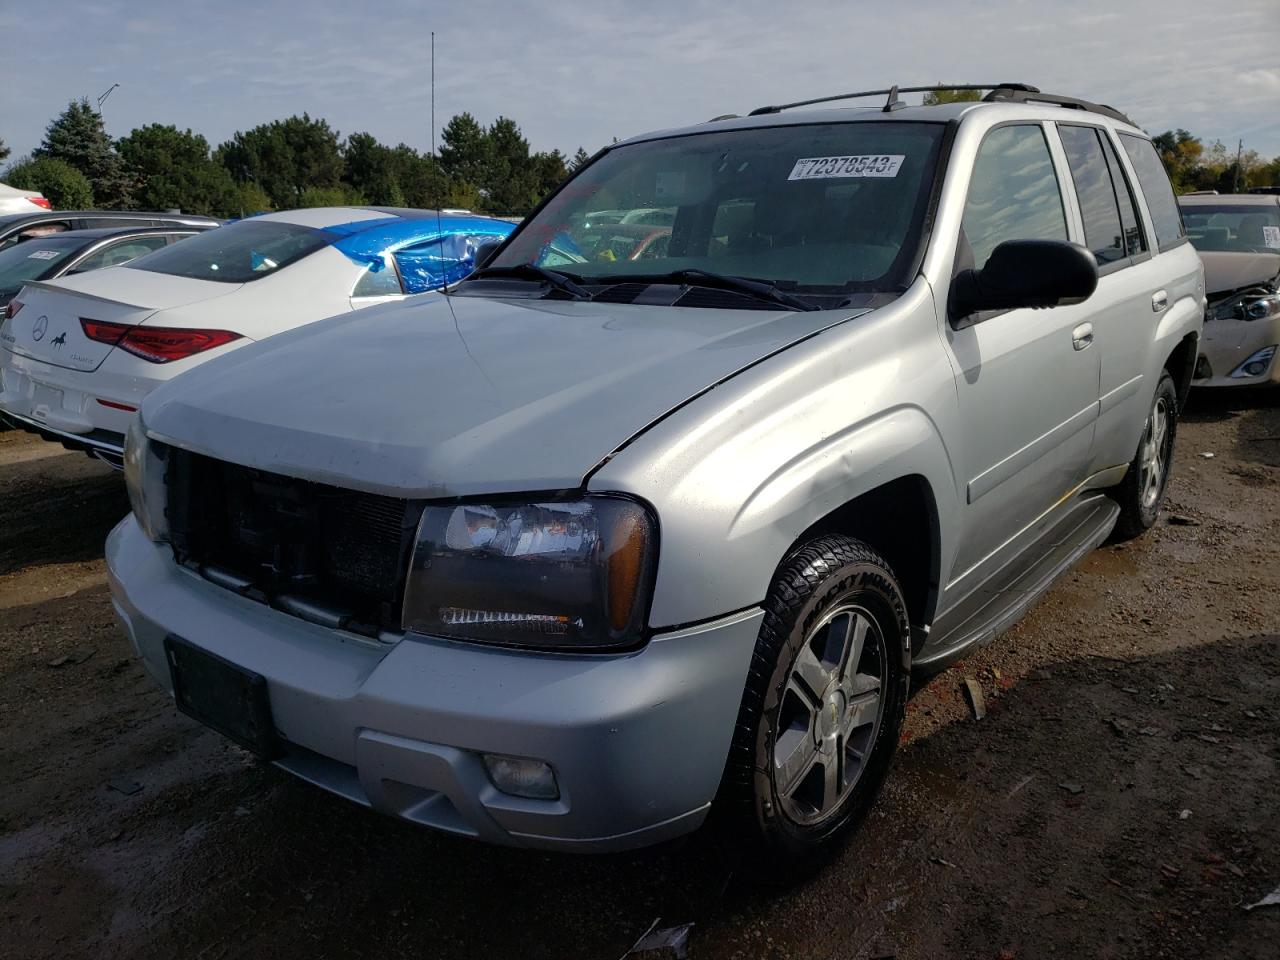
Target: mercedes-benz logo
{"x": 40, "y": 329}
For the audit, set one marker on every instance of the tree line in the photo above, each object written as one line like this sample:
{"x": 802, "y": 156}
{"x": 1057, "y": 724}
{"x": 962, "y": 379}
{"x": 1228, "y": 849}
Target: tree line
{"x": 303, "y": 162}
{"x": 296, "y": 162}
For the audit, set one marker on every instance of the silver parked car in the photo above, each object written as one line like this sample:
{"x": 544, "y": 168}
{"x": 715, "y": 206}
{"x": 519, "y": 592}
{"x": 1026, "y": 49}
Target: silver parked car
{"x": 572, "y": 556}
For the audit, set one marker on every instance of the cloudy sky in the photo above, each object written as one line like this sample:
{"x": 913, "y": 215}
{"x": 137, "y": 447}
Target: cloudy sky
{"x": 575, "y": 73}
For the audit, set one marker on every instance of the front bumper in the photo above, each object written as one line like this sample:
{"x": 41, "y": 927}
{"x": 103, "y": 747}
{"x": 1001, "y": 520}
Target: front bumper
{"x": 638, "y": 741}
{"x": 1226, "y": 344}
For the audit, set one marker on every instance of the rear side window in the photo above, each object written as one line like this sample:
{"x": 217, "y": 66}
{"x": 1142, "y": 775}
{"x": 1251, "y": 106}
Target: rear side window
{"x": 1156, "y": 188}
{"x": 237, "y": 253}
{"x": 1135, "y": 241}
{"x": 1013, "y": 194}
{"x": 121, "y": 252}
{"x": 378, "y": 280}
{"x": 1096, "y": 193}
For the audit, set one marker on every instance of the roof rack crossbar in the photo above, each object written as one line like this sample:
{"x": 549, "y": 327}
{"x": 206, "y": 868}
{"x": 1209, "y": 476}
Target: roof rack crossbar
{"x": 1008, "y": 94}
{"x": 892, "y": 91}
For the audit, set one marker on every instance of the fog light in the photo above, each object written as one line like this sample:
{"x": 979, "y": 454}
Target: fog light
{"x": 1257, "y": 364}
{"x": 522, "y": 777}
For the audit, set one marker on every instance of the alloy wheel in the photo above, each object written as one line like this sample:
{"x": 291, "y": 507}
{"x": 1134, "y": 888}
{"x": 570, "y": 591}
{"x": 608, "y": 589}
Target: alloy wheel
{"x": 1156, "y": 449}
{"x": 830, "y": 714}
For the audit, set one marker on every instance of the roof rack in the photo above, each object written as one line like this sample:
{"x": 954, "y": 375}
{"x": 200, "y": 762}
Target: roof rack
{"x": 998, "y": 92}
{"x": 1016, "y": 94}
{"x": 892, "y": 93}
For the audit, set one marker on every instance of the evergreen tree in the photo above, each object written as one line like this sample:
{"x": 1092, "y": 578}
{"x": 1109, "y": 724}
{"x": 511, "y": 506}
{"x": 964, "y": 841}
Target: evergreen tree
{"x": 579, "y": 160}
{"x": 465, "y": 150}
{"x": 285, "y": 157}
{"x": 174, "y": 170}
{"x": 4, "y": 151}
{"x": 77, "y": 137}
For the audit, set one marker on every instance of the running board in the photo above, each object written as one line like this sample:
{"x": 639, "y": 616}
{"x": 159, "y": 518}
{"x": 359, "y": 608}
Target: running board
{"x": 1000, "y": 602}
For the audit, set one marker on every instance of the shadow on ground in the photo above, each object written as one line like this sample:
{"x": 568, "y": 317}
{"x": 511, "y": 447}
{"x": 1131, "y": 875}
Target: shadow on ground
{"x": 1053, "y": 823}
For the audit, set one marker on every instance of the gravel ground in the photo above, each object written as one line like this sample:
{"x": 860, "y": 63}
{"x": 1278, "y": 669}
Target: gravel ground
{"x": 1120, "y": 799}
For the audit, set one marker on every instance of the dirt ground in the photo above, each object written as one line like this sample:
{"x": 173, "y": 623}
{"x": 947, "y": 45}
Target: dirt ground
{"x": 1120, "y": 799}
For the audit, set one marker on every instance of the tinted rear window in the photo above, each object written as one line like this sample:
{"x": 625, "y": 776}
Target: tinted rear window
{"x": 237, "y": 253}
{"x": 1156, "y": 188}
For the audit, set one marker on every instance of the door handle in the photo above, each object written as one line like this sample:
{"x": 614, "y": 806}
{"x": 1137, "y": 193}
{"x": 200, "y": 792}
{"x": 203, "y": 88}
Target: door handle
{"x": 1082, "y": 336}
{"x": 1159, "y": 300}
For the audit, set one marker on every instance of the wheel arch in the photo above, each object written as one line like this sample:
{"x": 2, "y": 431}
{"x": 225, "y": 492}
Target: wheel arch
{"x": 899, "y": 520}
{"x": 1181, "y": 364}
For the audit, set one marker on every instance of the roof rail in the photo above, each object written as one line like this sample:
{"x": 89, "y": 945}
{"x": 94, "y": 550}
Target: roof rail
{"x": 892, "y": 92}
{"x": 1018, "y": 94}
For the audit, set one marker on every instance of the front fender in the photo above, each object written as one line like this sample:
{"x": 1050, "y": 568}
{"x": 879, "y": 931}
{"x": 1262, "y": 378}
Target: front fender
{"x": 738, "y": 475}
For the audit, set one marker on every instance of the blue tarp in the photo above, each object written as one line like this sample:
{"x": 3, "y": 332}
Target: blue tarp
{"x": 430, "y": 253}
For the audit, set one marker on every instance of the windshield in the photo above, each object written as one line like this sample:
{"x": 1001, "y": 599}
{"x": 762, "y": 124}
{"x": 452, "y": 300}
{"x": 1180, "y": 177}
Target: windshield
{"x": 1252, "y": 228}
{"x": 816, "y": 208}
{"x": 237, "y": 253}
{"x": 34, "y": 260}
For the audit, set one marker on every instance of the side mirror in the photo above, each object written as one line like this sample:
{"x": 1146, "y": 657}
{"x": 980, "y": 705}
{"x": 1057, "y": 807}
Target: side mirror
{"x": 1025, "y": 273}
{"x": 485, "y": 251}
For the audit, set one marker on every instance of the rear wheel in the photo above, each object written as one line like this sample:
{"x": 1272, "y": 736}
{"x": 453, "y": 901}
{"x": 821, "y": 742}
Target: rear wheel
{"x": 823, "y": 705}
{"x": 1142, "y": 492}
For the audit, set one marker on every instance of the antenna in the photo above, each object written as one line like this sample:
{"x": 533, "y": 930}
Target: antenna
{"x": 435, "y": 161}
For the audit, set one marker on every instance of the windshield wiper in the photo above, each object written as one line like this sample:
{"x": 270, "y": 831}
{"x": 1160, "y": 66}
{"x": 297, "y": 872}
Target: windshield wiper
{"x": 759, "y": 289}
{"x": 528, "y": 271}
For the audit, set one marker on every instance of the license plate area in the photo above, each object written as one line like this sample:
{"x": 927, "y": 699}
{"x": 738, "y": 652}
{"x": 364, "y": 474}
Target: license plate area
{"x": 223, "y": 696}
{"x": 44, "y": 400}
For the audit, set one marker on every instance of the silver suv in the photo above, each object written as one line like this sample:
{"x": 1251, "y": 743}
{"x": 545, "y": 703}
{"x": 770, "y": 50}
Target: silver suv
{"x": 613, "y": 538}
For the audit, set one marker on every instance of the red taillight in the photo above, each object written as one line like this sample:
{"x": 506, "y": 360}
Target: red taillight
{"x": 11, "y": 309}
{"x": 103, "y": 331}
{"x": 41, "y": 202}
{"x": 156, "y": 344}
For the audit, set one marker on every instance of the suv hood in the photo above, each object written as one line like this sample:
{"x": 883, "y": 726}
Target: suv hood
{"x": 453, "y": 396}
{"x": 1225, "y": 271}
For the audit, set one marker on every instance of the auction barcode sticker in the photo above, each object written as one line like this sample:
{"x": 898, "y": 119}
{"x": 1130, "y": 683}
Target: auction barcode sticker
{"x": 42, "y": 255}
{"x": 829, "y": 168}
{"x": 1271, "y": 237}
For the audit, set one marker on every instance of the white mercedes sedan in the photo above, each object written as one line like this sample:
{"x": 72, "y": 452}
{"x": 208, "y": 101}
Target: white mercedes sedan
{"x": 78, "y": 354}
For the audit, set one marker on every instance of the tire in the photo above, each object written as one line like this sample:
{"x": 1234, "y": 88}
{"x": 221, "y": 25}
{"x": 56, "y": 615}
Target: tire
{"x": 777, "y": 810}
{"x": 1141, "y": 494}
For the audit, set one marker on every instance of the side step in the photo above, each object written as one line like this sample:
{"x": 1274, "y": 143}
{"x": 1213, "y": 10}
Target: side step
{"x": 1000, "y": 602}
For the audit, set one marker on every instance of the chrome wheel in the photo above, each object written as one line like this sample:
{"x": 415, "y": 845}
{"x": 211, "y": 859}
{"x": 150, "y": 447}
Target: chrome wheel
{"x": 1154, "y": 454}
{"x": 830, "y": 714}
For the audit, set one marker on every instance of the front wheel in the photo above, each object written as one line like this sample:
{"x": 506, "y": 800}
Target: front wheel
{"x": 1143, "y": 489}
{"x": 823, "y": 704}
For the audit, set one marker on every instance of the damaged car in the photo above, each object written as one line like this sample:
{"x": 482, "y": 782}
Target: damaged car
{"x": 581, "y": 556}
{"x": 1238, "y": 237}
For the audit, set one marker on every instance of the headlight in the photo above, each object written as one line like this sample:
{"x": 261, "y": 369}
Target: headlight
{"x": 144, "y": 479}
{"x": 571, "y": 575}
{"x": 1263, "y": 308}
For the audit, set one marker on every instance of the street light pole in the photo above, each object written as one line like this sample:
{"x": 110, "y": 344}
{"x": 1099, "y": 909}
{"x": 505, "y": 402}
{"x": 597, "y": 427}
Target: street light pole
{"x": 103, "y": 99}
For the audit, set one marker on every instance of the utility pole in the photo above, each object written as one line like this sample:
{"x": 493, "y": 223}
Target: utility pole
{"x": 1235, "y": 184}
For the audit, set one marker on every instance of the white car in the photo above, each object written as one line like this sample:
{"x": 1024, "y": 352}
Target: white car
{"x": 78, "y": 354}
{"x": 13, "y": 200}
